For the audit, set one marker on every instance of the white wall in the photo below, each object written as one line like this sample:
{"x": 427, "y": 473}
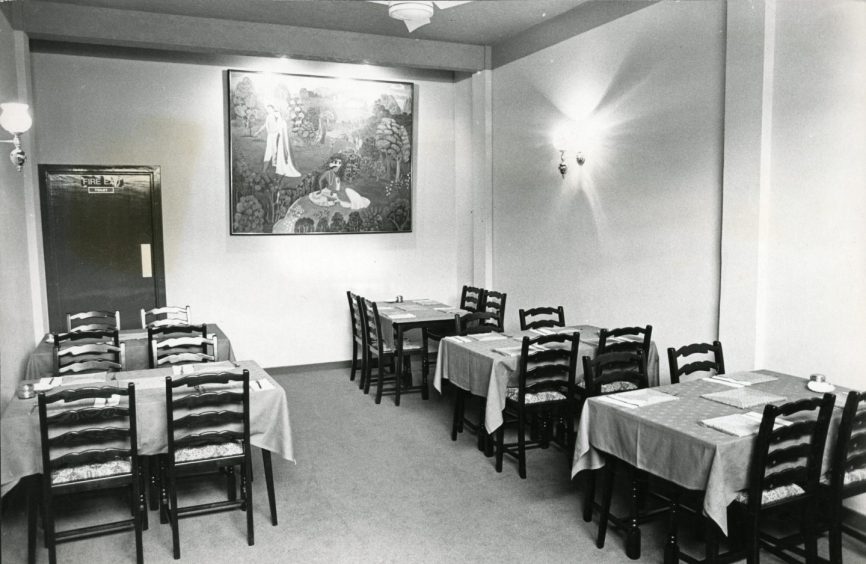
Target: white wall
{"x": 814, "y": 315}
{"x": 282, "y": 300}
{"x": 632, "y": 237}
{"x": 16, "y": 315}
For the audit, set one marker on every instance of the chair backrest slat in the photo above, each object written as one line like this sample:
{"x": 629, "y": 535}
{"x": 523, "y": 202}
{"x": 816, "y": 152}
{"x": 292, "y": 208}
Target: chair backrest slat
{"x": 494, "y": 302}
{"x": 471, "y": 298}
{"x": 167, "y": 315}
{"x": 541, "y": 317}
{"x": 93, "y": 321}
{"x": 685, "y": 360}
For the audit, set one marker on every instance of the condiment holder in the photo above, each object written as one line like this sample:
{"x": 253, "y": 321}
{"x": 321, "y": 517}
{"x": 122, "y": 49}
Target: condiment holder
{"x": 818, "y": 383}
{"x": 25, "y": 391}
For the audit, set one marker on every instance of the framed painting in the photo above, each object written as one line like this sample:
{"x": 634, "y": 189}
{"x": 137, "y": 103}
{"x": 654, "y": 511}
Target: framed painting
{"x": 315, "y": 155}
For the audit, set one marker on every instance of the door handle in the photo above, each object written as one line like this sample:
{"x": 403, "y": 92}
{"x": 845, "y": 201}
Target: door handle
{"x": 146, "y": 263}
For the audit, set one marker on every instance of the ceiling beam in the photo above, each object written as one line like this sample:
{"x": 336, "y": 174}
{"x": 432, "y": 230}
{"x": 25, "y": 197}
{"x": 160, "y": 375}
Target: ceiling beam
{"x": 126, "y": 28}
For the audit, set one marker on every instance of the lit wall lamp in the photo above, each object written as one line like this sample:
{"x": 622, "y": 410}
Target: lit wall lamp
{"x": 15, "y": 119}
{"x": 563, "y": 167}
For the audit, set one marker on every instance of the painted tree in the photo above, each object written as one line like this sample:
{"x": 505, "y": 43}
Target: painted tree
{"x": 392, "y": 141}
{"x": 244, "y": 103}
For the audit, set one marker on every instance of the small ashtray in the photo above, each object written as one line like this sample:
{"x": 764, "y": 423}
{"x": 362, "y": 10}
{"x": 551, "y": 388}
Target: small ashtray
{"x": 25, "y": 391}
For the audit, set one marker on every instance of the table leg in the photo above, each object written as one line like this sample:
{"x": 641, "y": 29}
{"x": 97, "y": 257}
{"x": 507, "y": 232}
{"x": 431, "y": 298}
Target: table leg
{"x": 398, "y": 372}
{"x": 672, "y": 548}
{"x": 632, "y": 539}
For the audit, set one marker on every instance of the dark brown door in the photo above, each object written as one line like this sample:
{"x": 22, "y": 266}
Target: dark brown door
{"x": 102, "y": 232}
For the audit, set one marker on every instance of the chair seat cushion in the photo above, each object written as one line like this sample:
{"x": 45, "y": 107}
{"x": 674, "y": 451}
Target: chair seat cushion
{"x": 204, "y": 452}
{"x": 540, "y": 397}
{"x": 851, "y": 477}
{"x": 776, "y": 494}
{"x": 91, "y": 471}
{"x": 615, "y": 387}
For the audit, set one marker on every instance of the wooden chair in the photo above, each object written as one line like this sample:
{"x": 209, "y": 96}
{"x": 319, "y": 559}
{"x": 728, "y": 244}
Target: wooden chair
{"x": 208, "y": 429}
{"x": 545, "y": 386}
{"x": 93, "y": 321}
{"x": 471, "y": 298}
{"x": 494, "y": 302}
{"x": 90, "y": 446}
{"x": 681, "y": 364}
{"x": 541, "y": 317}
{"x": 848, "y": 471}
{"x": 357, "y": 336}
{"x": 379, "y": 352}
{"x": 168, "y": 315}
{"x": 180, "y": 344}
{"x": 626, "y": 339}
{"x": 610, "y": 373}
{"x": 784, "y": 474}
{"x": 473, "y": 323}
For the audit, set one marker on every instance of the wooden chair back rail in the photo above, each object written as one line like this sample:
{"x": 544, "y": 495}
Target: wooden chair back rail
{"x": 171, "y": 315}
{"x": 87, "y": 415}
{"x": 168, "y": 331}
{"x": 373, "y": 327}
{"x": 111, "y": 336}
{"x": 471, "y": 298}
{"x": 90, "y": 365}
{"x": 208, "y": 419}
{"x": 528, "y": 321}
{"x": 86, "y": 392}
{"x": 475, "y": 323}
{"x": 100, "y": 320}
{"x": 92, "y": 456}
{"x": 698, "y": 366}
{"x": 88, "y": 436}
{"x": 643, "y": 345}
{"x": 611, "y": 367}
{"x": 208, "y": 438}
{"x": 208, "y": 398}
{"x": 681, "y": 366}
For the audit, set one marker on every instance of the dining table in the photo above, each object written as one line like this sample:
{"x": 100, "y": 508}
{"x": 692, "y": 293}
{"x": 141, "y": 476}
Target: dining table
{"x": 486, "y": 364}
{"x": 270, "y": 428}
{"x": 699, "y": 437}
{"x": 40, "y": 364}
{"x": 397, "y": 318}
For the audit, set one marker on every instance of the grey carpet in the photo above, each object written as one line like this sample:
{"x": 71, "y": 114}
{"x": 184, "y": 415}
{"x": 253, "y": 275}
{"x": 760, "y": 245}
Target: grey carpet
{"x": 373, "y": 484}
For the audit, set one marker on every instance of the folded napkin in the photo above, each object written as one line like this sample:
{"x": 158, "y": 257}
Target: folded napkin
{"x": 612, "y": 400}
{"x": 516, "y": 351}
{"x": 399, "y": 315}
{"x": 458, "y": 339}
{"x": 147, "y": 383}
{"x": 114, "y": 399}
{"x": 187, "y": 369}
{"x": 740, "y": 424}
{"x": 542, "y": 331}
{"x": 427, "y": 302}
{"x": 720, "y": 379}
{"x": 45, "y": 384}
{"x": 87, "y": 378}
{"x": 743, "y": 397}
{"x": 490, "y": 337}
{"x": 747, "y": 378}
{"x": 261, "y": 385}
{"x": 640, "y": 398}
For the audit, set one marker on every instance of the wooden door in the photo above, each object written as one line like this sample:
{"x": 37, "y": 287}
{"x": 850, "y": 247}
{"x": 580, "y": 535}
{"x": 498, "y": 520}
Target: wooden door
{"x": 102, "y": 233}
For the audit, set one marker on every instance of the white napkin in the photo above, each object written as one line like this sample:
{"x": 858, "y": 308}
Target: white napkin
{"x": 724, "y": 382}
{"x": 489, "y": 337}
{"x": 45, "y": 384}
{"x": 399, "y": 315}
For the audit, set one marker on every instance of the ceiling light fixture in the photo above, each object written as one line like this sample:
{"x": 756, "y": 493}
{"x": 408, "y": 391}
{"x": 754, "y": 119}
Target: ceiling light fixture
{"x": 414, "y": 13}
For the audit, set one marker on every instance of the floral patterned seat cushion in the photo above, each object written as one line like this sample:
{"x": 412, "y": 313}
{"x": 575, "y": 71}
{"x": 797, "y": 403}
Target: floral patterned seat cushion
{"x": 775, "y": 494}
{"x": 851, "y": 477}
{"x": 540, "y": 397}
{"x": 614, "y": 387}
{"x": 204, "y": 452}
{"x": 91, "y": 471}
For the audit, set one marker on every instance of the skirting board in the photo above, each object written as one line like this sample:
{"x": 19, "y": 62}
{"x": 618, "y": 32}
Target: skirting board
{"x": 301, "y": 368}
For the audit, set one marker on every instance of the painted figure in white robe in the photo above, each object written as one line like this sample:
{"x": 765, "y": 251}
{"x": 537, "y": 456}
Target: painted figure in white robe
{"x": 277, "y": 149}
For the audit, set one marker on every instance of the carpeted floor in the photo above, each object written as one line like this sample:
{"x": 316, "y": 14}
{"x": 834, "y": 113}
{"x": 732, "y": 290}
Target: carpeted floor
{"x": 374, "y": 484}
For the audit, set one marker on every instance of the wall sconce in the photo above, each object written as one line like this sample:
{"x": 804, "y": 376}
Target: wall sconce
{"x": 563, "y": 167}
{"x": 15, "y": 119}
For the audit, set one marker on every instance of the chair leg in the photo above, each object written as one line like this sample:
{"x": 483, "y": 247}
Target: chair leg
{"x": 143, "y": 472}
{"x": 367, "y": 372}
{"x": 163, "y": 492}
{"x": 402, "y": 363}
{"x": 152, "y": 465}
{"x": 48, "y": 525}
{"x": 381, "y": 381}
{"x": 32, "y": 485}
{"x": 457, "y": 423}
{"x": 247, "y": 495}
{"x": 139, "y": 509}
{"x": 521, "y": 444}
{"x": 354, "y": 359}
{"x": 269, "y": 483}
{"x": 672, "y": 551}
{"x": 632, "y": 537}
{"x": 835, "y": 541}
{"x": 589, "y": 495}
{"x": 231, "y": 483}
{"x": 172, "y": 497}
{"x": 425, "y": 372}
{"x": 500, "y": 446}
{"x": 606, "y": 495}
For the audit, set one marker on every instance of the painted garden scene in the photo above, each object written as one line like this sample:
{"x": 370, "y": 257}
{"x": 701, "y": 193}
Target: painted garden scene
{"x": 319, "y": 155}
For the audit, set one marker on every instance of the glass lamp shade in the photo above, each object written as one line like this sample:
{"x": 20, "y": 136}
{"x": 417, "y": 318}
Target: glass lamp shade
{"x": 15, "y": 118}
{"x": 411, "y": 10}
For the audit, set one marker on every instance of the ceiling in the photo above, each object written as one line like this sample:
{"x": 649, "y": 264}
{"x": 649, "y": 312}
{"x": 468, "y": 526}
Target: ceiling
{"x": 482, "y": 22}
